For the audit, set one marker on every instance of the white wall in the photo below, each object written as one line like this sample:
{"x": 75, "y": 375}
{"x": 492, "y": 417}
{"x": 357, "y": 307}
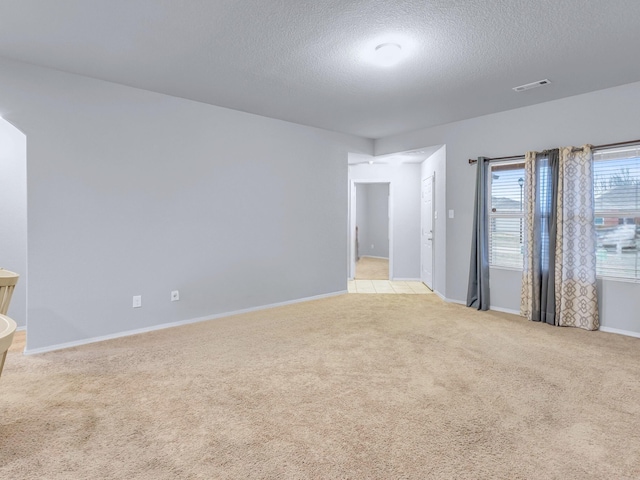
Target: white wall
{"x": 378, "y": 234}
{"x": 600, "y": 117}
{"x": 13, "y": 214}
{"x": 404, "y": 182}
{"x": 372, "y": 217}
{"x": 136, "y": 193}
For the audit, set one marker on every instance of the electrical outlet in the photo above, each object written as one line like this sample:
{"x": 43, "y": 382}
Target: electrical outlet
{"x": 175, "y": 295}
{"x": 137, "y": 301}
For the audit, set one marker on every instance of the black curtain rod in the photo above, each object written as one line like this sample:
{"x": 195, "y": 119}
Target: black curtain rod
{"x": 475, "y": 160}
{"x": 594, "y": 147}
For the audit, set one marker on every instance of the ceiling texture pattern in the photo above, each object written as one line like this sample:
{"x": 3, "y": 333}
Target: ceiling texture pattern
{"x": 304, "y": 61}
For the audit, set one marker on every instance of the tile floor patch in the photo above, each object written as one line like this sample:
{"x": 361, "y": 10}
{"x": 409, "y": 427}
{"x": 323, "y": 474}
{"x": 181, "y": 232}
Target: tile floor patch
{"x": 387, "y": 287}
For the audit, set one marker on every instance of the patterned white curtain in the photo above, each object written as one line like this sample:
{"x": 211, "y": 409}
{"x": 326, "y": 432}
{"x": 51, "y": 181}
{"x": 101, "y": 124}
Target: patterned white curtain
{"x": 559, "y": 271}
{"x": 575, "y": 274}
{"x": 529, "y": 196}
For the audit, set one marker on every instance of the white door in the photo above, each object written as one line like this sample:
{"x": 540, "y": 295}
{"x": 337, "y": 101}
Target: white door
{"x": 426, "y": 243}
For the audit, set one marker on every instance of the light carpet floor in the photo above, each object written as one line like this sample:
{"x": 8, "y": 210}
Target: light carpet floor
{"x": 371, "y": 268}
{"x": 350, "y": 387}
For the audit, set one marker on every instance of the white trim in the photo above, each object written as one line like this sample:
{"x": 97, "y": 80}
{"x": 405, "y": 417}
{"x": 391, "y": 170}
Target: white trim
{"x": 505, "y": 310}
{"x": 618, "y": 331}
{"x": 406, "y": 280}
{"x": 510, "y": 269}
{"x": 352, "y": 229}
{"x": 21, "y": 328}
{"x": 462, "y": 302}
{"x": 373, "y": 256}
{"x": 628, "y": 333}
{"x": 390, "y": 226}
{"x": 451, "y": 300}
{"x": 137, "y": 331}
{"x": 432, "y": 176}
{"x": 606, "y": 278}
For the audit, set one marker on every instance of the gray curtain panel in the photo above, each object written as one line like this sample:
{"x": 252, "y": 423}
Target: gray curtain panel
{"x": 559, "y": 274}
{"x": 478, "y": 289}
{"x": 545, "y": 228}
{"x": 538, "y": 301}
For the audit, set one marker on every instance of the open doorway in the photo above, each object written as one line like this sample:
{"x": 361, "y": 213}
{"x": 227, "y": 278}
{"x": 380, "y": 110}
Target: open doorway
{"x": 370, "y": 227}
{"x": 372, "y": 231}
{"x": 417, "y": 246}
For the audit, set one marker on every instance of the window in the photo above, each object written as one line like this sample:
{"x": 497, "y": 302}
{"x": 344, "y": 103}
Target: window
{"x": 506, "y": 213}
{"x": 617, "y": 211}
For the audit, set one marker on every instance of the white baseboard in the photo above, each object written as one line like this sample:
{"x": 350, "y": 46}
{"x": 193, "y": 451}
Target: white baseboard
{"x": 373, "y": 256}
{"x": 21, "y": 328}
{"x": 127, "y": 333}
{"x": 462, "y": 302}
{"x": 505, "y": 310}
{"x": 396, "y": 279}
{"x": 137, "y": 331}
{"x": 453, "y": 300}
{"x": 442, "y": 297}
{"x": 628, "y": 333}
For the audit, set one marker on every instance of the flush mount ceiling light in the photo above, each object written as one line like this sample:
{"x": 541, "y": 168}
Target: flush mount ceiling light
{"x": 388, "y": 54}
{"x": 388, "y": 49}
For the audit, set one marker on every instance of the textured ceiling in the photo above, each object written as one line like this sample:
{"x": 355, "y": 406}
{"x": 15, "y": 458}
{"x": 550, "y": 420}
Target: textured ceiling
{"x": 302, "y": 61}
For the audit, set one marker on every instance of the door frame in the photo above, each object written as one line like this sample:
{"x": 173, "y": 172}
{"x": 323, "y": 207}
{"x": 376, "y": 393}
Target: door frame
{"x": 432, "y": 176}
{"x": 352, "y": 225}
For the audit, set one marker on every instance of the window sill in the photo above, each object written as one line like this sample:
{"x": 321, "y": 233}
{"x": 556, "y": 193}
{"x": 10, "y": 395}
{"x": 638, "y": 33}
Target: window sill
{"x": 598, "y": 277}
{"x": 509, "y": 269}
{"x": 618, "y": 279}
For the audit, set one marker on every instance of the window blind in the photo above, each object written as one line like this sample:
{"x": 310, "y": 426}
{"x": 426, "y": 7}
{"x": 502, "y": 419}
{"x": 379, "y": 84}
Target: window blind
{"x": 617, "y": 211}
{"x": 506, "y": 184}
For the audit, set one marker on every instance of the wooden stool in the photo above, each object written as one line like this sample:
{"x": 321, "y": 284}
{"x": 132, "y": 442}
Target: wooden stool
{"x": 8, "y": 282}
{"x": 7, "y": 329}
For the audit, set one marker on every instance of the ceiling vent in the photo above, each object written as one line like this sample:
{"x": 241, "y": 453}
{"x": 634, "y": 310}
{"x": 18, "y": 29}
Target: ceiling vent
{"x": 529, "y": 86}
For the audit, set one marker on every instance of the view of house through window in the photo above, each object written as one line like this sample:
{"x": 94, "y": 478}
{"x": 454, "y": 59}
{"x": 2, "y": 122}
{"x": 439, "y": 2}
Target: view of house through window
{"x": 617, "y": 211}
{"x": 506, "y": 213}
